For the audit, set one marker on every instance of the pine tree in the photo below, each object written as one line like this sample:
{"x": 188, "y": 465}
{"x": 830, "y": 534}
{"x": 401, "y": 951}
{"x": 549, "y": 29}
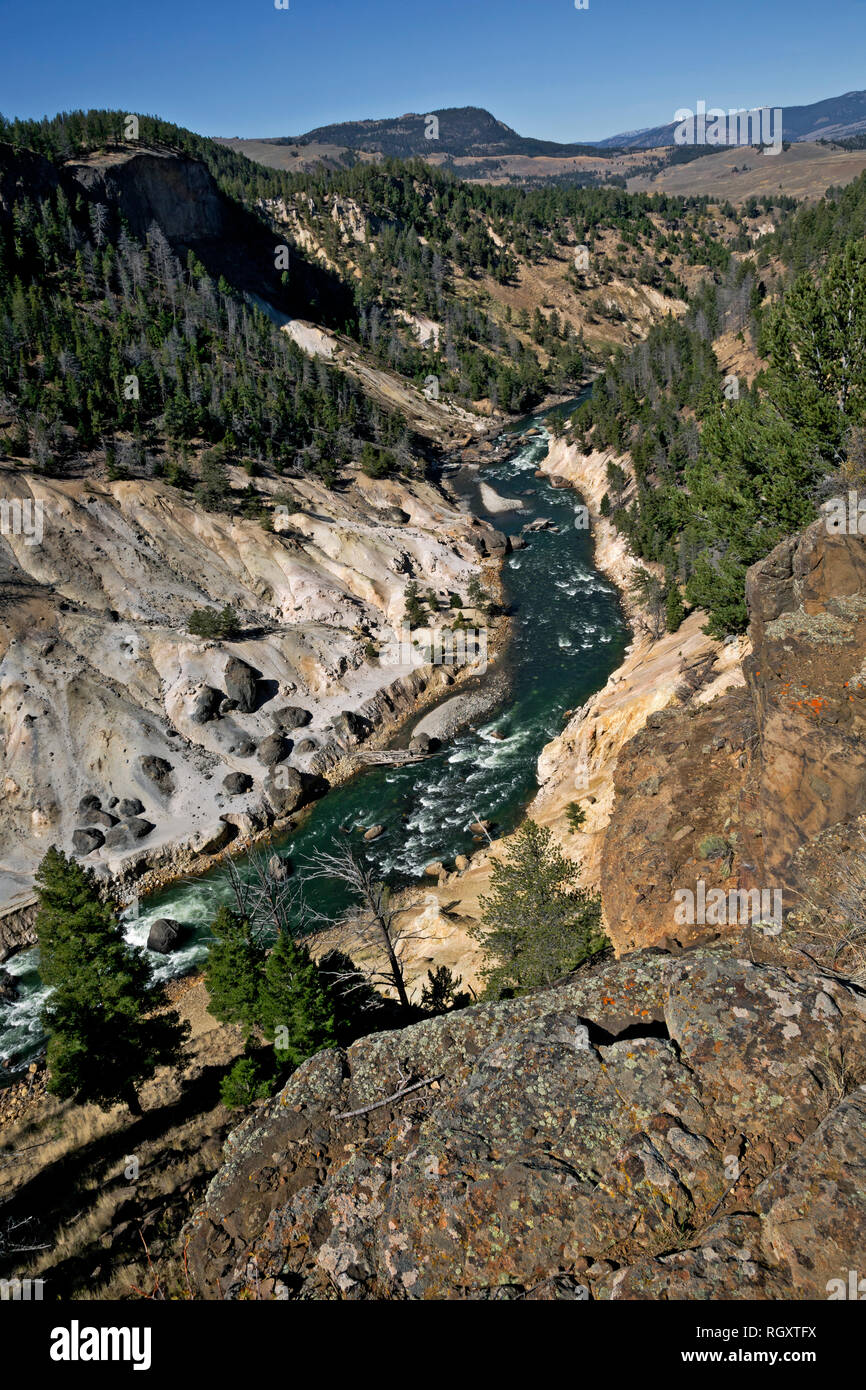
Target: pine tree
{"x": 233, "y": 972}
{"x": 675, "y": 609}
{"x": 103, "y": 1037}
{"x": 536, "y": 924}
{"x": 296, "y": 1011}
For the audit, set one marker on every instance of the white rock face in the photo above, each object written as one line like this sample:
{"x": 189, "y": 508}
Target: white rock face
{"x": 494, "y": 502}
{"x": 98, "y": 669}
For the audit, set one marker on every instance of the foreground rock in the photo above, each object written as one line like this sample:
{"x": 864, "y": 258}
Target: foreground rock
{"x": 657, "y": 1127}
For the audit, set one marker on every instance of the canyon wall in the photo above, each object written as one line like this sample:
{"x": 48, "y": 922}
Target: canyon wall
{"x": 124, "y": 736}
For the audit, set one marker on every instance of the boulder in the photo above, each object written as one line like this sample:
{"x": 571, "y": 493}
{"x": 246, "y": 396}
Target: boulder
{"x": 306, "y": 745}
{"x": 206, "y": 705}
{"x": 88, "y": 803}
{"x": 236, "y": 783}
{"x": 241, "y": 683}
{"x": 274, "y": 749}
{"x": 139, "y": 828}
{"x": 374, "y": 832}
{"x": 435, "y": 870}
{"x": 246, "y": 823}
{"x": 8, "y": 987}
{"x": 129, "y": 833}
{"x": 423, "y": 743}
{"x": 350, "y": 727}
{"x": 158, "y": 771}
{"x": 291, "y": 717}
{"x": 99, "y": 818}
{"x": 130, "y": 806}
{"x": 86, "y": 841}
{"x": 537, "y": 1160}
{"x": 284, "y": 788}
{"x": 394, "y": 516}
{"x": 461, "y": 863}
{"x": 279, "y": 869}
{"x": 165, "y": 935}
{"x": 480, "y": 827}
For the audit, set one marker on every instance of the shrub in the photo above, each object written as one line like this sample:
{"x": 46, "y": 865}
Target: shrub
{"x": 216, "y": 624}
{"x": 244, "y": 1084}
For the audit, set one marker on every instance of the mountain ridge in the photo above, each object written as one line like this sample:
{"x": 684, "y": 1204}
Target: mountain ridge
{"x": 471, "y": 131}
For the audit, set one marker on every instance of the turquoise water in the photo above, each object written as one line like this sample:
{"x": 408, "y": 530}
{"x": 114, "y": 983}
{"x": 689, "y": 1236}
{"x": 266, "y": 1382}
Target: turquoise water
{"x": 568, "y": 634}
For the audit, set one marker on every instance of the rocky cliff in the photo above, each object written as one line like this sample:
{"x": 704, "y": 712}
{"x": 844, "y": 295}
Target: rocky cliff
{"x": 754, "y": 789}
{"x": 667, "y": 1126}
{"x": 124, "y": 736}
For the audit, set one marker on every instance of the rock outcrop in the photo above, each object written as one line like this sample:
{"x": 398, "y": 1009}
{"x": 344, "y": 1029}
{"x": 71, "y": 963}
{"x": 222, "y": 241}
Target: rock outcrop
{"x": 663, "y": 1126}
{"x": 736, "y": 792}
{"x": 108, "y": 702}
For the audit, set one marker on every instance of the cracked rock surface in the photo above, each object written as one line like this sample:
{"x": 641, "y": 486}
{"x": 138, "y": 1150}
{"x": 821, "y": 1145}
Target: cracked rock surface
{"x": 663, "y": 1126}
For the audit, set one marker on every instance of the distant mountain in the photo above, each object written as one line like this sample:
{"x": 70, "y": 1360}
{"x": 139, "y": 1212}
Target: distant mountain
{"x": 462, "y": 131}
{"x": 832, "y": 119}
{"x": 470, "y": 131}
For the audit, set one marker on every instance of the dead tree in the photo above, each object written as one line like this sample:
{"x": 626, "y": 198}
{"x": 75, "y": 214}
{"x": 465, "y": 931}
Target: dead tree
{"x": 373, "y": 921}
{"x": 271, "y": 902}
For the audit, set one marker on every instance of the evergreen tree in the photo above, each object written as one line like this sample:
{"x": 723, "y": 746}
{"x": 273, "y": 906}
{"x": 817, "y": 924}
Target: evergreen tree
{"x": 675, "y": 609}
{"x": 233, "y": 972}
{"x": 442, "y": 991}
{"x": 536, "y": 924}
{"x": 296, "y": 1011}
{"x": 648, "y": 590}
{"x": 104, "y": 1039}
{"x": 245, "y": 1083}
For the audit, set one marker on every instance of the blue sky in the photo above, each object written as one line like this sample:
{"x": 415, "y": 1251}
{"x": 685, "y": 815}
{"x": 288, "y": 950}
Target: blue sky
{"x": 242, "y": 67}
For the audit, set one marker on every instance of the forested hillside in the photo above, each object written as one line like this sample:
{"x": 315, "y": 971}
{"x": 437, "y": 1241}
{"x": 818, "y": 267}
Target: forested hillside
{"x": 119, "y": 341}
{"x": 726, "y": 469}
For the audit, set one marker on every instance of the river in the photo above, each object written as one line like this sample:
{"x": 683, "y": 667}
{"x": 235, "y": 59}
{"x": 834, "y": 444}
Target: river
{"x": 568, "y": 635}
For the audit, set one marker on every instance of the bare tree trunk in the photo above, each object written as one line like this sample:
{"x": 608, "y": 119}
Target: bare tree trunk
{"x": 375, "y": 920}
{"x": 396, "y": 969}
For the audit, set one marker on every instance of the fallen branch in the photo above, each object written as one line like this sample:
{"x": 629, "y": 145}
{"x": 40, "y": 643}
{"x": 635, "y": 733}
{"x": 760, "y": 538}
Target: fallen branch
{"x": 398, "y": 1095}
